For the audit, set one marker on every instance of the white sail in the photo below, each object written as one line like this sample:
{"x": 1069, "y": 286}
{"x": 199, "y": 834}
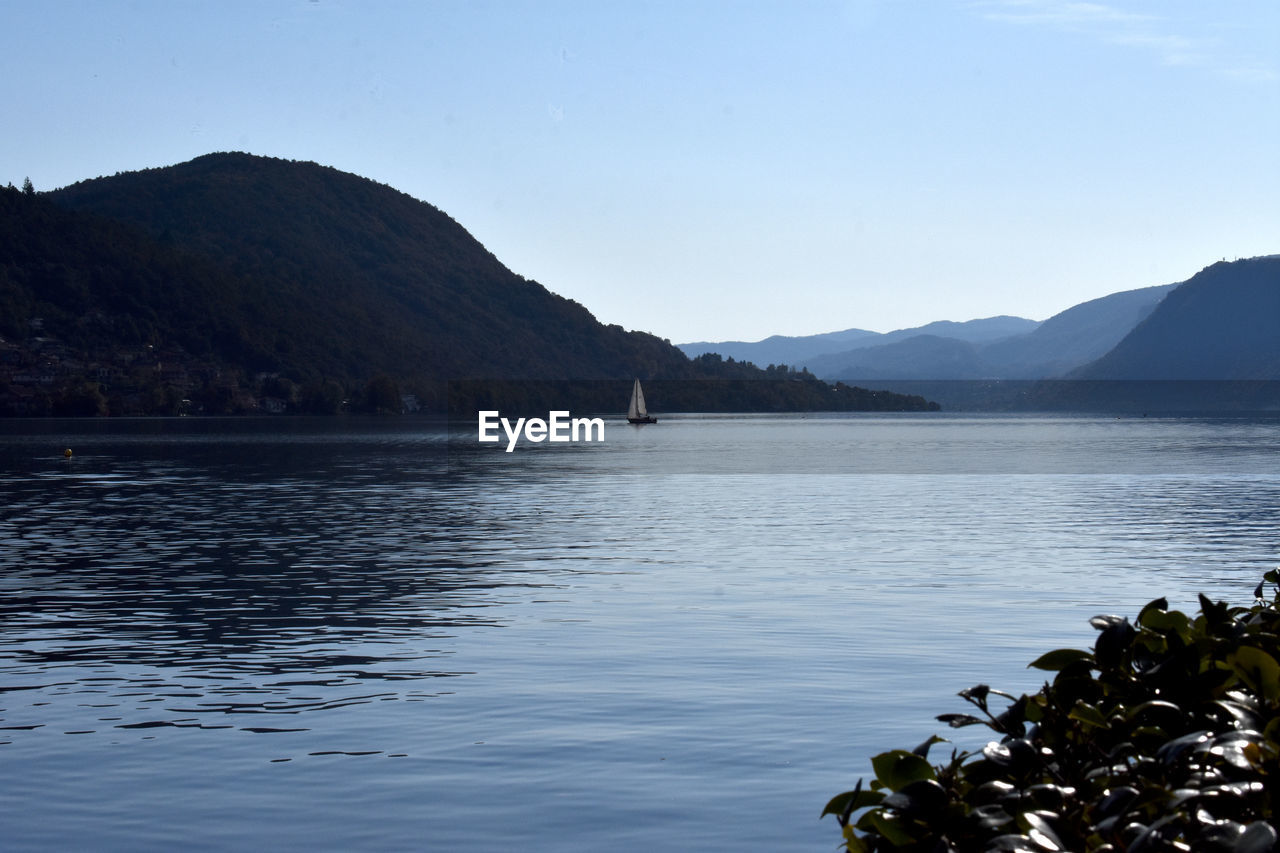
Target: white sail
{"x": 637, "y": 409}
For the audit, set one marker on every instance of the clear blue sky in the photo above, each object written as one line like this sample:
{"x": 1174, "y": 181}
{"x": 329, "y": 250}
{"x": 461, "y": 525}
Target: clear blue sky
{"x": 713, "y": 170}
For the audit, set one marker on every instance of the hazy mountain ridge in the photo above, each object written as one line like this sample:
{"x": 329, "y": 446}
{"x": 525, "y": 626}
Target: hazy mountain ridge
{"x": 934, "y": 356}
{"x": 1075, "y": 336}
{"x": 1063, "y": 342}
{"x": 809, "y": 349}
{"x": 1221, "y": 324}
{"x": 779, "y": 349}
{"x": 1210, "y": 343}
{"x": 992, "y": 348}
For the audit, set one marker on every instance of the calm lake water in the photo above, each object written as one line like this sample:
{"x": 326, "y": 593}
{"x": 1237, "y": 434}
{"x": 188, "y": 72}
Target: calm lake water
{"x": 345, "y": 634}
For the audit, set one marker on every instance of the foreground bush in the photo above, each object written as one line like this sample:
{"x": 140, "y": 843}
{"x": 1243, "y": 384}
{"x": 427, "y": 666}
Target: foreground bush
{"x": 1165, "y": 737}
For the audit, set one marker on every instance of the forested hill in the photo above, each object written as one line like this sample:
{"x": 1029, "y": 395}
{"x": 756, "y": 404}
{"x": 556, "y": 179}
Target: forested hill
{"x": 237, "y": 283}
{"x": 350, "y": 276}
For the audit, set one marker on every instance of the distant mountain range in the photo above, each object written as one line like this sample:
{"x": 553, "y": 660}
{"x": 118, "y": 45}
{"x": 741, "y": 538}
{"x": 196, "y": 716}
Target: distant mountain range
{"x": 1075, "y": 336}
{"x": 808, "y": 349}
{"x": 235, "y": 283}
{"x": 1222, "y": 324}
{"x": 1053, "y": 348}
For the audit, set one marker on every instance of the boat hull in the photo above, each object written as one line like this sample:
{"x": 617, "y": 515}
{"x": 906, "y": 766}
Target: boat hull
{"x": 645, "y": 420}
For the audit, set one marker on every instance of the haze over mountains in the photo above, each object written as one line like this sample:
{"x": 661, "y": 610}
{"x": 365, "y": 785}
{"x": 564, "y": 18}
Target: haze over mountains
{"x": 779, "y": 349}
{"x": 1049, "y": 349}
{"x": 1221, "y": 324}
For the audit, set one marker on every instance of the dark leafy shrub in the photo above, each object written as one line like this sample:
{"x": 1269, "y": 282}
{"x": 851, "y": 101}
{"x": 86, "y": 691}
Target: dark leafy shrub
{"x": 1165, "y": 737}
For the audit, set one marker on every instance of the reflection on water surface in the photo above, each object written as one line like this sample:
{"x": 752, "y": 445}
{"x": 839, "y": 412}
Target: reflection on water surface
{"x": 692, "y": 632}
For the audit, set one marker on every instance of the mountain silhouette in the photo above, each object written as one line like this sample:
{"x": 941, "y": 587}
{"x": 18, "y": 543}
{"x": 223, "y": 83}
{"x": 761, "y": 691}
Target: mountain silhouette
{"x": 1221, "y": 324}
{"x": 355, "y": 277}
{"x": 812, "y": 350}
{"x": 236, "y": 283}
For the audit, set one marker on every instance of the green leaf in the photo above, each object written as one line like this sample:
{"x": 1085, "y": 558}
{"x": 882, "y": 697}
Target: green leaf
{"x": 923, "y": 749}
{"x": 850, "y": 801}
{"x": 891, "y": 828}
{"x": 1258, "y": 669}
{"x": 1159, "y": 605}
{"x": 925, "y": 801}
{"x": 1156, "y": 712}
{"x": 1164, "y": 621}
{"x": 1059, "y": 659}
{"x": 1088, "y": 714}
{"x": 1041, "y": 832}
{"x": 853, "y": 843}
{"x": 1216, "y": 613}
{"x": 898, "y": 768}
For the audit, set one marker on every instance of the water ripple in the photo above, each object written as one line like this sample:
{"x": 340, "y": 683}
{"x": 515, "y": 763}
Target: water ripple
{"x": 680, "y": 631}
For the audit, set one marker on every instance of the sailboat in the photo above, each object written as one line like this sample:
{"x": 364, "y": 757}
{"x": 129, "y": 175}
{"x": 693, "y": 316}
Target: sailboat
{"x": 636, "y": 412}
